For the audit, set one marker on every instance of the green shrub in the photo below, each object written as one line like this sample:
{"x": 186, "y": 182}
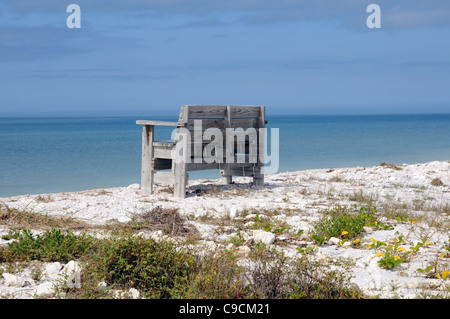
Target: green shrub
{"x": 217, "y": 277}
{"x": 154, "y": 268}
{"x": 313, "y": 280}
{"x": 52, "y": 245}
{"x": 340, "y": 219}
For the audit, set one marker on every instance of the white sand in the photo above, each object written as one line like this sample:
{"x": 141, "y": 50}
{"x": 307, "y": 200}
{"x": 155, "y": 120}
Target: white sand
{"x": 299, "y": 199}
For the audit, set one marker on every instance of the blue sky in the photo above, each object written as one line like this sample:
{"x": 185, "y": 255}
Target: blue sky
{"x": 147, "y": 57}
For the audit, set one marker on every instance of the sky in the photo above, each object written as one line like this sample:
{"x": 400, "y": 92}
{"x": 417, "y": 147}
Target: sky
{"x": 148, "y": 57}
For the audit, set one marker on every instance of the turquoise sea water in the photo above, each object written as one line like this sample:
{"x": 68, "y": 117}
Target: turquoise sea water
{"x": 45, "y": 155}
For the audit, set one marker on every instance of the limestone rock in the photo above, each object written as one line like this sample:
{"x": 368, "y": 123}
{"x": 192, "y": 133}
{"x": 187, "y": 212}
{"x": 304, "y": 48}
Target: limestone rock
{"x": 243, "y": 251}
{"x": 52, "y": 269}
{"x": 13, "y": 280}
{"x": 263, "y": 237}
{"x": 334, "y": 240}
{"x": 233, "y": 212}
{"x": 72, "y": 273}
{"x": 45, "y": 289}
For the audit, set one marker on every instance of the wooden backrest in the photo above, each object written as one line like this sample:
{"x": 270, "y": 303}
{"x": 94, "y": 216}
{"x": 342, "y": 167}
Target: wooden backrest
{"x": 222, "y": 117}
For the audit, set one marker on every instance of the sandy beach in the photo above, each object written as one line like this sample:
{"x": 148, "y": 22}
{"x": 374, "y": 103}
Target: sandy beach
{"x": 414, "y": 199}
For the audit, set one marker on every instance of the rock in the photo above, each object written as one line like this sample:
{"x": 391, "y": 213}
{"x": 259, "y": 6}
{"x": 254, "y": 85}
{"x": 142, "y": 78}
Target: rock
{"x": 305, "y": 227}
{"x": 130, "y": 294}
{"x": 250, "y": 217}
{"x": 296, "y": 222}
{"x": 249, "y": 224}
{"x": 45, "y": 289}
{"x": 368, "y": 230}
{"x": 157, "y": 235}
{"x": 243, "y": 251}
{"x": 334, "y": 240}
{"x": 335, "y": 174}
{"x": 123, "y": 219}
{"x": 263, "y": 237}
{"x": 72, "y": 273}
{"x": 373, "y": 263}
{"x": 102, "y": 286}
{"x": 346, "y": 244}
{"x": 233, "y": 212}
{"x": 134, "y": 293}
{"x": 53, "y": 269}
{"x": 13, "y": 280}
{"x": 134, "y": 186}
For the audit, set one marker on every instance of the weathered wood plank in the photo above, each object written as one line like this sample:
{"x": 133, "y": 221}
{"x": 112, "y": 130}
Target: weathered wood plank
{"x": 163, "y": 177}
{"x": 147, "y": 155}
{"x": 250, "y": 171}
{"x": 201, "y": 111}
{"x": 245, "y": 111}
{"x": 245, "y": 122}
{"x": 206, "y": 123}
{"x": 201, "y": 166}
{"x": 161, "y": 123}
{"x": 162, "y": 151}
{"x": 180, "y": 180}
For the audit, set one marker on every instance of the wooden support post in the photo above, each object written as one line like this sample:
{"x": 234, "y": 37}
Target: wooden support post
{"x": 180, "y": 177}
{"x": 258, "y": 178}
{"x": 225, "y": 179}
{"x": 147, "y": 155}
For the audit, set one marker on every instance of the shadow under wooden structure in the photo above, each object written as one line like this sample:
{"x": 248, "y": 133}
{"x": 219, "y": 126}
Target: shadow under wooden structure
{"x": 228, "y": 138}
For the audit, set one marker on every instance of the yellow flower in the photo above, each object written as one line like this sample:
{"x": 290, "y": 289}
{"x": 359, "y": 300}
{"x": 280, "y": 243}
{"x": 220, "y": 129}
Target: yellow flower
{"x": 401, "y": 249}
{"x": 379, "y": 255}
{"x": 395, "y": 240}
{"x": 413, "y": 222}
{"x": 445, "y": 274}
{"x": 356, "y": 241}
{"x": 429, "y": 243}
{"x": 397, "y": 257}
{"x": 344, "y": 233}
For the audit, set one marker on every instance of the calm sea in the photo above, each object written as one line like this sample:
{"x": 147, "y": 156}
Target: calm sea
{"x": 45, "y": 155}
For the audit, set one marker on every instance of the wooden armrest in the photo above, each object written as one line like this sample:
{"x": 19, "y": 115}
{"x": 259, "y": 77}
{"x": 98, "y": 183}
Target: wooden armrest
{"x": 163, "y": 123}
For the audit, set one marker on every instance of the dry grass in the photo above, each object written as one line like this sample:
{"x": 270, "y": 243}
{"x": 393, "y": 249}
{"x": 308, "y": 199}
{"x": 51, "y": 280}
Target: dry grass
{"x": 15, "y": 218}
{"x": 437, "y": 182}
{"x": 166, "y": 219}
{"x": 389, "y": 165}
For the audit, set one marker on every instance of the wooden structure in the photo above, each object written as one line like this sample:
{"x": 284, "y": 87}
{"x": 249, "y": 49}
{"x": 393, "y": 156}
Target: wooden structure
{"x": 206, "y": 137}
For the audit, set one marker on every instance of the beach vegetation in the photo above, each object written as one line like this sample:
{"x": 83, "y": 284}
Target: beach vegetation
{"x": 341, "y": 222}
{"x": 390, "y": 165}
{"x": 17, "y": 219}
{"x": 52, "y": 245}
{"x": 162, "y": 269}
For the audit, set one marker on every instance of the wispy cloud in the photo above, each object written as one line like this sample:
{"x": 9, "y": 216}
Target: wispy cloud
{"x": 397, "y": 14}
{"x": 30, "y": 43}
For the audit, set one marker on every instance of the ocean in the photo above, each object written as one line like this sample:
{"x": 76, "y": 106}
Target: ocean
{"x": 64, "y": 154}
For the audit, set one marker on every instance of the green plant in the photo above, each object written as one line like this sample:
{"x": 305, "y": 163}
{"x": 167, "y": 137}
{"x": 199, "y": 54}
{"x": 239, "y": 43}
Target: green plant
{"x": 340, "y": 219}
{"x": 155, "y": 268}
{"x": 389, "y": 260}
{"x": 236, "y": 239}
{"x": 52, "y": 245}
{"x": 307, "y": 250}
{"x": 414, "y": 249}
{"x": 435, "y": 271}
{"x": 37, "y": 271}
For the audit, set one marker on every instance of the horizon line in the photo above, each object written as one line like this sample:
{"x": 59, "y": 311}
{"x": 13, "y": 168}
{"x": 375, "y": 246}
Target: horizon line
{"x": 87, "y": 115}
